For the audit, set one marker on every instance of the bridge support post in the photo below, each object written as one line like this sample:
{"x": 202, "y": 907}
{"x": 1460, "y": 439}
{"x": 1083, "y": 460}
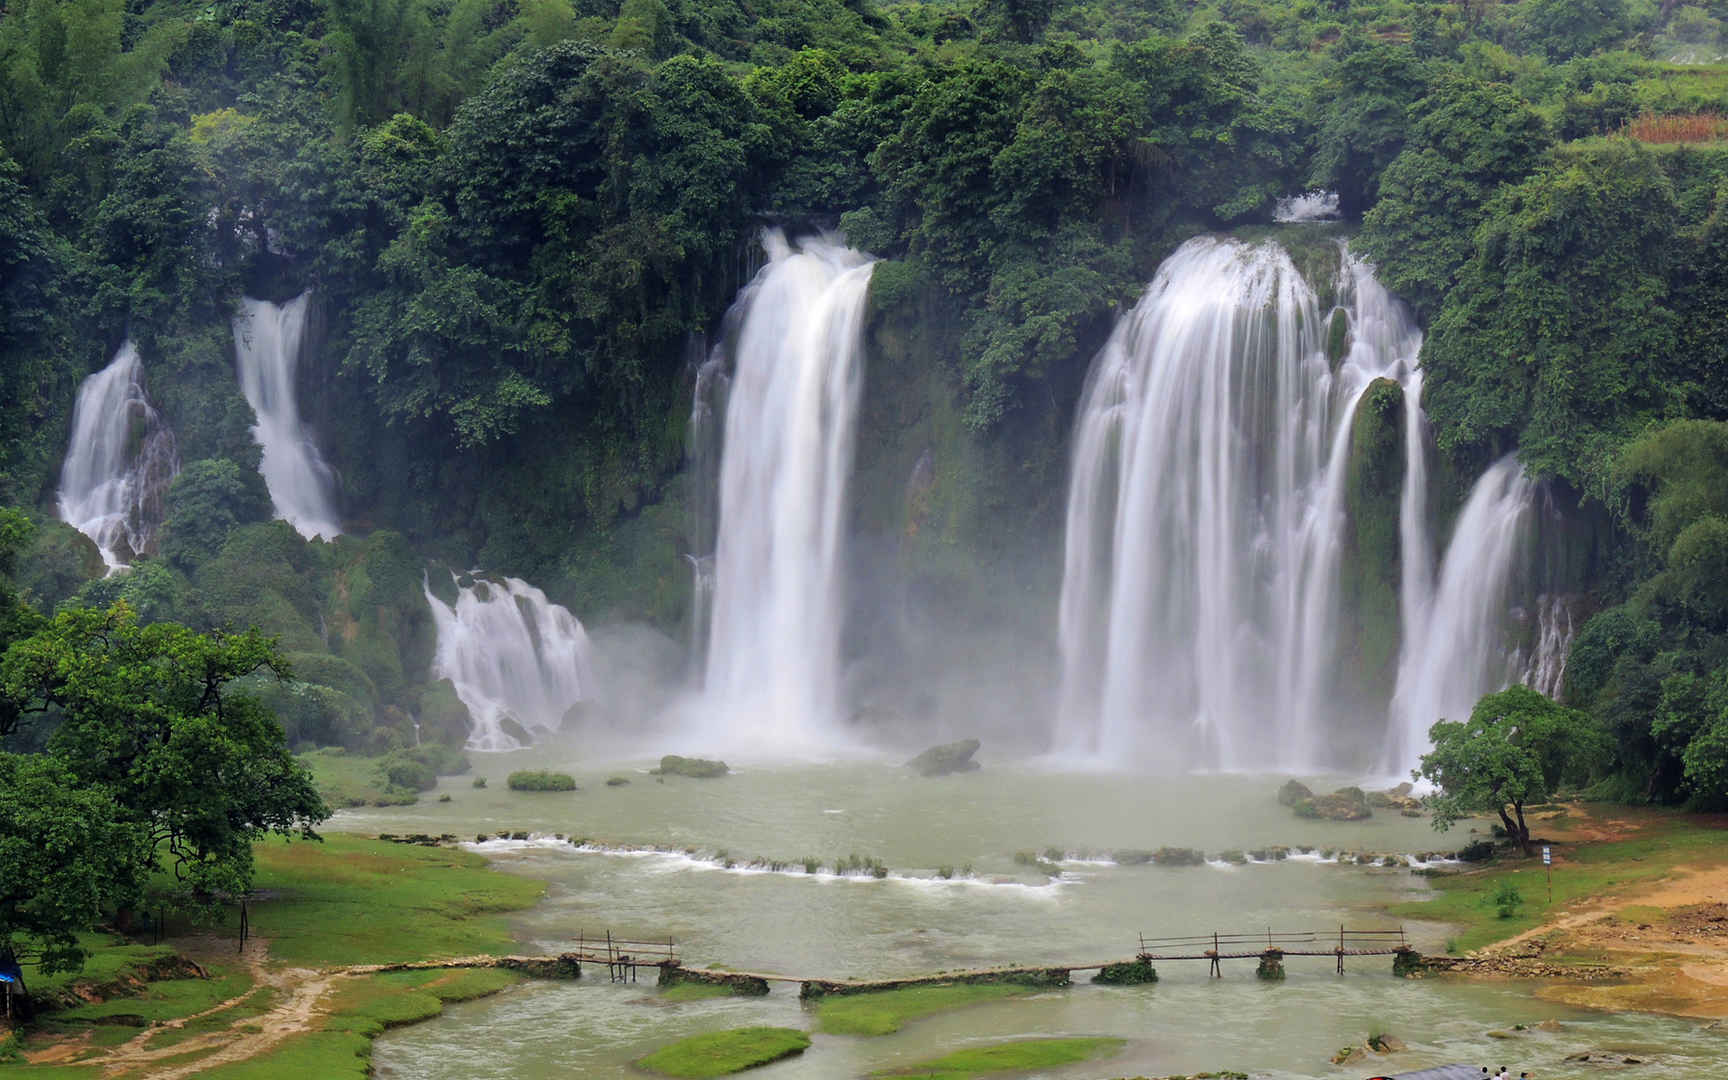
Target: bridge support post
{"x": 1217, "y": 972}
{"x": 1271, "y": 965}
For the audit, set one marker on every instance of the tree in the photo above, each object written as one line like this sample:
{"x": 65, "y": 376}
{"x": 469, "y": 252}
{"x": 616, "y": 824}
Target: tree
{"x": 147, "y": 717}
{"x": 65, "y": 856}
{"x": 206, "y": 502}
{"x": 1513, "y": 751}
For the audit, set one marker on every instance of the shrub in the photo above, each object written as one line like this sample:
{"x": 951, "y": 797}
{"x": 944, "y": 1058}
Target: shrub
{"x": 541, "y": 780}
{"x": 479, "y": 781}
{"x": 1507, "y": 899}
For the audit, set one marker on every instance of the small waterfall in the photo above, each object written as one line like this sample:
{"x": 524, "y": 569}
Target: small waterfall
{"x": 791, "y": 415}
{"x": 517, "y": 660}
{"x": 1206, "y": 512}
{"x": 119, "y": 463}
{"x": 1459, "y": 652}
{"x": 1544, "y": 668}
{"x": 267, "y": 342}
{"x": 707, "y": 411}
{"x": 1306, "y": 207}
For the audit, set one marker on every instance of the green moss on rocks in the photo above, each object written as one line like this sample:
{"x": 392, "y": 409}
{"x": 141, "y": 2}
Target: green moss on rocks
{"x": 1136, "y": 972}
{"x": 540, "y": 780}
{"x": 1369, "y": 575}
{"x": 722, "y": 1053}
{"x": 695, "y": 768}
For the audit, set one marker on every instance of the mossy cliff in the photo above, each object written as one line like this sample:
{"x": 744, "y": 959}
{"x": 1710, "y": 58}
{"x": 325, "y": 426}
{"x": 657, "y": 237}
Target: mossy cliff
{"x": 1371, "y": 567}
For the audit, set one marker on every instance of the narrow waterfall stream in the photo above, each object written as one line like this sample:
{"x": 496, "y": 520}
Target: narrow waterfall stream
{"x": 773, "y": 664}
{"x": 517, "y": 660}
{"x": 119, "y": 462}
{"x": 267, "y": 343}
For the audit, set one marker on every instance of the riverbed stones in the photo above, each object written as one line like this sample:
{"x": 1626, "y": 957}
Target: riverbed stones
{"x": 944, "y": 760}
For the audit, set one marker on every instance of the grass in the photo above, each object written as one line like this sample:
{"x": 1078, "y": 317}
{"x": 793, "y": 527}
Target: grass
{"x": 350, "y": 900}
{"x": 346, "y": 779}
{"x": 722, "y": 1053}
{"x": 1661, "y": 842}
{"x": 110, "y": 958}
{"x": 253, "y": 1004}
{"x": 1020, "y": 1055}
{"x": 169, "y": 999}
{"x": 885, "y": 1011}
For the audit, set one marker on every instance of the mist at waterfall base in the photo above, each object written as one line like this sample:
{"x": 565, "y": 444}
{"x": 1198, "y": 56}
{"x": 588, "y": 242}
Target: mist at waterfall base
{"x": 119, "y": 462}
{"x": 267, "y": 342}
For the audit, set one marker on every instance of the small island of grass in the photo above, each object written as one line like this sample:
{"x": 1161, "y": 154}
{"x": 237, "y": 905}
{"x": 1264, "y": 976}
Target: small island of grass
{"x": 1019, "y": 1055}
{"x": 883, "y": 1012}
{"x": 722, "y": 1053}
{"x": 541, "y": 780}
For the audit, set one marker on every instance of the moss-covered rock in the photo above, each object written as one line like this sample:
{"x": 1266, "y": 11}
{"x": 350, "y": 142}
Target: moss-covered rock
{"x": 1178, "y": 856}
{"x": 1136, "y": 972}
{"x": 540, "y": 780}
{"x": 1345, "y": 804}
{"x": 442, "y": 715}
{"x": 695, "y": 768}
{"x": 954, "y": 757}
{"x": 1371, "y": 569}
{"x": 1293, "y": 792}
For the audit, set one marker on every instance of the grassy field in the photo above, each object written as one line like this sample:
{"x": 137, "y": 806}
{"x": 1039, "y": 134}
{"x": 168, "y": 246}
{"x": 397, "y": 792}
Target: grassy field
{"x": 1636, "y": 847}
{"x": 722, "y": 1053}
{"x": 346, "y": 779}
{"x": 885, "y": 1012}
{"x": 1020, "y": 1055}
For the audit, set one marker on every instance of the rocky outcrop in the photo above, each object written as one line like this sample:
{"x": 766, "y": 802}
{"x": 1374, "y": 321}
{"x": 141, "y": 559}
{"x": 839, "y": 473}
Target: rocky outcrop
{"x": 1345, "y": 804}
{"x": 954, "y": 757}
{"x": 1293, "y": 792}
{"x": 695, "y": 768}
{"x": 739, "y": 985}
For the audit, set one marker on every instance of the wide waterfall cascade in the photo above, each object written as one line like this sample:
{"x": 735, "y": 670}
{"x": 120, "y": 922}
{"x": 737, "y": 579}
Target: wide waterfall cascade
{"x": 1206, "y": 512}
{"x": 1461, "y": 651}
{"x": 267, "y": 343}
{"x": 119, "y": 462}
{"x": 517, "y": 660}
{"x": 773, "y": 667}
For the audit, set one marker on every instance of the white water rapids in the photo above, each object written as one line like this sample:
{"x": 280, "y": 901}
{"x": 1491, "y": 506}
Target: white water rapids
{"x": 773, "y": 665}
{"x": 267, "y": 344}
{"x": 517, "y": 660}
{"x": 119, "y": 462}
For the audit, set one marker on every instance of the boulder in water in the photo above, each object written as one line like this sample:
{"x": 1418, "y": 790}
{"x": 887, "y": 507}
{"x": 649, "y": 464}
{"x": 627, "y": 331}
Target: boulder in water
{"x": 694, "y": 767}
{"x": 1293, "y": 792}
{"x": 1345, "y": 804}
{"x": 948, "y": 758}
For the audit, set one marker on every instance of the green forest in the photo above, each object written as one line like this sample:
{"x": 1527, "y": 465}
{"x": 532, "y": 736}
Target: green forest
{"x": 519, "y": 220}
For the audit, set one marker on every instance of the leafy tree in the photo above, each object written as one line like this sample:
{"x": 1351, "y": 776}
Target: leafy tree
{"x": 146, "y": 716}
{"x": 1466, "y": 139}
{"x": 206, "y": 502}
{"x": 1514, "y": 750}
{"x": 66, "y": 855}
{"x": 1364, "y": 103}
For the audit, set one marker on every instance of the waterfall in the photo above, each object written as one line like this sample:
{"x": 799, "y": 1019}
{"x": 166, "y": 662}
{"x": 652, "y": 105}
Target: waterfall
{"x": 1459, "y": 652}
{"x": 1206, "y": 512}
{"x": 517, "y": 660}
{"x": 119, "y": 462}
{"x": 267, "y": 342}
{"x": 791, "y": 413}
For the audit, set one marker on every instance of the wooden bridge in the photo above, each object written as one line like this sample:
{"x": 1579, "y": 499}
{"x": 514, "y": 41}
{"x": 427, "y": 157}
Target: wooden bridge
{"x": 1271, "y": 946}
{"x": 622, "y": 956}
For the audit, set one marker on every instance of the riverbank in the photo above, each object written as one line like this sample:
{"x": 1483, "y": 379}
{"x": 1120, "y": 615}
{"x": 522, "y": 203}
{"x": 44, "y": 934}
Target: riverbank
{"x": 305, "y": 995}
{"x": 1636, "y": 921}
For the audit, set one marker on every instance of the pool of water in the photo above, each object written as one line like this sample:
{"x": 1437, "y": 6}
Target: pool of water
{"x": 653, "y": 864}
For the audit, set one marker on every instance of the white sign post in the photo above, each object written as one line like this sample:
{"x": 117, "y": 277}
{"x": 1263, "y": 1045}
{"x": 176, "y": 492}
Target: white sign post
{"x": 1548, "y": 864}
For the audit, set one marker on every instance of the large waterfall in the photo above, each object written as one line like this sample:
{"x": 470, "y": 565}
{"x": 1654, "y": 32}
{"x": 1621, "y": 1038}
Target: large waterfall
{"x": 773, "y": 666}
{"x": 267, "y": 343}
{"x": 119, "y": 462}
{"x": 1206, "y": 513}
{"x": 517, "y": 660}
{"x": 1458, "y": 650}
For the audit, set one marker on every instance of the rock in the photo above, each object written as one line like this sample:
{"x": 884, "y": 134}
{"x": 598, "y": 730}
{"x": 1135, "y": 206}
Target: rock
{"x": 510, "y": 726}
{"x": 696, "y": 768}
{"x": 1345, "y": 804}
{"x": 616, "y": 781}
{"x": 954, "y": 757}
{"x": 1501, "y": 1035}
{"x": 1349, "y": 1055}
{"x": 1178, "y": 856}
{"x": 1402, "y": 790}
{"x": 1293, "y": 792}
{"x": 1385, "y": 1044}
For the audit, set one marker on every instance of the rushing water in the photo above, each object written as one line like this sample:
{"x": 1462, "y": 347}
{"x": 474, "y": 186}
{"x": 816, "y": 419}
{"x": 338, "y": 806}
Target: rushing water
{"x": 822, "y": 925}
{"x": 517, "y": 660}
{"x": 1459, "y": 651}
{"x": 773, "y": 664}
{"x": 267, "y": 342}
{"x": 1206, "y": 515}
{"x": 119, "y": 462}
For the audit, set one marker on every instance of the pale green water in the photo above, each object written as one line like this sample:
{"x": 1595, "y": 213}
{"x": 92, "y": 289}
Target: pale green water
{"x": 911, "y": 922}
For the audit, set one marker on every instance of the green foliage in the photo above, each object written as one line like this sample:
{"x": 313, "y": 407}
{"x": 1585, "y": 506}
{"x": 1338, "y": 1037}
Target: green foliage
{"x": 1506, "y": 899}
{"x": 722, "y": 1053}
{"x": 1514, "y": 751}
{"x": 540, "y": 780}
{"x": 206, "y": 502}
{"x": 884, "y": 1012}
{"x": 1018, "y": 1055}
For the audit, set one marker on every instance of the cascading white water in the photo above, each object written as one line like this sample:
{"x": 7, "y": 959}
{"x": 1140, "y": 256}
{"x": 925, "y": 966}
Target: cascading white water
{"x": 1206, "y": 512}
{"x": 267, "y": 343}
{"x": 773, "y": 666}
{"x": 1459, "y": 652}
{"x": 119, "y": 462}
{"x": 1543, "y": 667}
{"x": 517, "y": 660}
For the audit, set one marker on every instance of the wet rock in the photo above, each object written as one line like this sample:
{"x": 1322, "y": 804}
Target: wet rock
{"x": 1293, "y": 792}
{"x": 1178, "y": 856}
{"x": 1349, "y": 1055}
{"x": 616, "y": 781}
{"x": 696, "y": 768}
{"x": 954, "y": 757}
{"x": 1345, "y": 804}
{"x": 1385, "y": 1044}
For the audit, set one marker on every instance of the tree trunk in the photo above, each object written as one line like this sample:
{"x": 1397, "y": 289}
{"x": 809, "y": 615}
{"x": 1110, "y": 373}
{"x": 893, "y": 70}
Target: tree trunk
{"x": 1523, "y": 828}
